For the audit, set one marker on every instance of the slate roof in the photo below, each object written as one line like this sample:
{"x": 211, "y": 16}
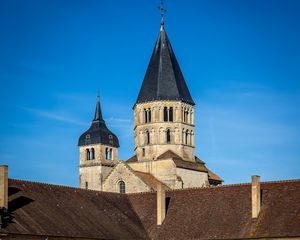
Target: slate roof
{"x": 98, "y": 131}
{"x": 163, "y": 79}
{"x": 222, "y": 212}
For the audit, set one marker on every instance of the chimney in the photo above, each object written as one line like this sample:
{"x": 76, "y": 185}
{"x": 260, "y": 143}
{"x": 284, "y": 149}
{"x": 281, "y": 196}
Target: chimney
{"x": 255, "y": 196}
{"x": 161, "y": 204}
{"x": 3, "y": 186}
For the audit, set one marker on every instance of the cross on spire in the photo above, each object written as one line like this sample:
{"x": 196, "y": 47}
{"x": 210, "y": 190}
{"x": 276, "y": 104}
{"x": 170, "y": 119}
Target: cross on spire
{"x": 162, "y": 11}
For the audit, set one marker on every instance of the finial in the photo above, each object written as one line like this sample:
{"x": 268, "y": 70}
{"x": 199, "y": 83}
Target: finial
{"x": 98, "y": 95}
{"x": 98, "y": 114}
{"x": 162, "y": 11}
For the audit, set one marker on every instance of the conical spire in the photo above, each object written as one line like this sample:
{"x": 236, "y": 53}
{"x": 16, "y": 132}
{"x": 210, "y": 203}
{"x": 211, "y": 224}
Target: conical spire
{"x": 98, "y": 131}
{"x": 163, "y": 79}
{"x": 98, "y": 113}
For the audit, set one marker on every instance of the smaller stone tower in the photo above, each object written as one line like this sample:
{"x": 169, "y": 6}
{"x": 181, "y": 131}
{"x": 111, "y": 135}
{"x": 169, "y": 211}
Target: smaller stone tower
{"x": 98, "y": 148}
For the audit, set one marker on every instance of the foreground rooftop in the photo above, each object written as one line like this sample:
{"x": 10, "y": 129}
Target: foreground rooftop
{"x": 222, "y": 212}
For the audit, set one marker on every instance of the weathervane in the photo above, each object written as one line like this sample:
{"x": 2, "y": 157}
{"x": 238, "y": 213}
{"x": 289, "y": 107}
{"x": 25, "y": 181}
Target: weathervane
{"x": 162, "y": 11}
{"x": 98, "y": 94}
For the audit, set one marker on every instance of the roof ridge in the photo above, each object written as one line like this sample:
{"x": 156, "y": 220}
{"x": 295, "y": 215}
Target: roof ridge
{"x": 220, "y": 186}
{"x": 234, "y": 185}
{"x": 59, "y": 186}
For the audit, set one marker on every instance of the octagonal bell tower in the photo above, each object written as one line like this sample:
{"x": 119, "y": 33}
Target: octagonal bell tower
{"x": 164, "y": 109}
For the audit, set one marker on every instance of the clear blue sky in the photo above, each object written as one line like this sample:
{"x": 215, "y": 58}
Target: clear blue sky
{"x": 241, "y": 60}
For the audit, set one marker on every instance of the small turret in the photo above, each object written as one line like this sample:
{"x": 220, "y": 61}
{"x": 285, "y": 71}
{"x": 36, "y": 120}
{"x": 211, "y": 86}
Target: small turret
{"x": 98, "y": 152}
{"x": 98, "y": 132}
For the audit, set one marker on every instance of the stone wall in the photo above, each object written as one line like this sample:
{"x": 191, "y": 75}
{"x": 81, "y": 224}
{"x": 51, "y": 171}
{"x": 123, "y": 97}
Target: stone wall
{"x": 163, "y": 170}
{"x": 93, "y": 171}
{"x": 92, "y": 176}
{"x": 124, "y": 173}
{"x": 150, "y": 133}
{"x": 192, "y": 178}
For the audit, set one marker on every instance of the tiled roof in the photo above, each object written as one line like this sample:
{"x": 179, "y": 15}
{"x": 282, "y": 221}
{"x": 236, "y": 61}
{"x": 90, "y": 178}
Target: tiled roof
{"x": 213, "y": 176}
{"x": 198, "y": 165}
{"x": 189, "y": 165}
{"x": 163, "y": 79}
{"x": 132, "y": 159}
{"x": 222, "y": 212}
{"x": 168, "y": 154}
{"x": 198, "y": 160}
{"x": 44, "y": 209}
{"x": 150, "y": 180}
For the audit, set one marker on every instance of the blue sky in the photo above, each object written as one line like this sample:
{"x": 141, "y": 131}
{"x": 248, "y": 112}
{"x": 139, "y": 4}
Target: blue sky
{"x": 240, "y": 60}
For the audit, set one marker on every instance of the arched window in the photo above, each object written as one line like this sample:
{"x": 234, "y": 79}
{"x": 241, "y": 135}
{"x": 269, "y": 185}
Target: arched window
{"x": 147, "y": 137}
{"x": 149, "y": 115}
{"x": 87, "y": 154}
{"x": 165, "y": 114}
{"x": 171, "y": 114}
{"x": 143, "y": 152}
{"x": 168, "y": 136}
{"x": 145, "y": 115}
{"x": 122, "y": 187}
{"x": 108, "y": 153}
{"x": 187, "y": 117}
{"x": 92, "y": 154}
{"x": 187, "y": 137}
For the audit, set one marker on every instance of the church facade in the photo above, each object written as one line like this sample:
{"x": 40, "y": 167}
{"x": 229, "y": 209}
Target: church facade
{"x": 164, "y": 133}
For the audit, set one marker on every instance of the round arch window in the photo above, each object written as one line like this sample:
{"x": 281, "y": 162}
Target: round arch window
{"x": 122, "y": 187}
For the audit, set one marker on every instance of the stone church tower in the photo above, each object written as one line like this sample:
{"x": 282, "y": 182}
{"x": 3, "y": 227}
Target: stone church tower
{"x": 163, "y": 136}
{"x": 98, "y": 148}
{"x": 164, "y": 110}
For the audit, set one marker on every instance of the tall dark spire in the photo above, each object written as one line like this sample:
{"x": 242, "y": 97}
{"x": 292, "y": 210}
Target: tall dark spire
{"x": 98, "y": 113}
{"x": 163, "y": 79}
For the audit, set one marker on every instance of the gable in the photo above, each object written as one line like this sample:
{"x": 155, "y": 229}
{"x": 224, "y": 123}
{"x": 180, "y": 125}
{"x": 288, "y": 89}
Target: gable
{"x": 122, "y": 172}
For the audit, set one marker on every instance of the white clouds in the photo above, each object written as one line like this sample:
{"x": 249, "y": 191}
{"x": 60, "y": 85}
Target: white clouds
{"x": 54, "y": 115}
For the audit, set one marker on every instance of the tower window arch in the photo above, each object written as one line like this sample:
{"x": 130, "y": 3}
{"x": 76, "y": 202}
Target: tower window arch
{"x": 122, "y": 187}
{"x": 92, "y": 154}
{"x": 87, "y": 152}
{"x": 186, "y": 116}
{"x": 147, "y": 115}
{"x": 171, "y": 114}
{"x": 187, "y": 137}
{"x": 168, "y": 136}
{"x": 165, "y": 114}
{"x": 111, "y": 153}
{"x": 147, "y": 137}
{"x": 108, "y": 153}
{"x": 168, "y": 114}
